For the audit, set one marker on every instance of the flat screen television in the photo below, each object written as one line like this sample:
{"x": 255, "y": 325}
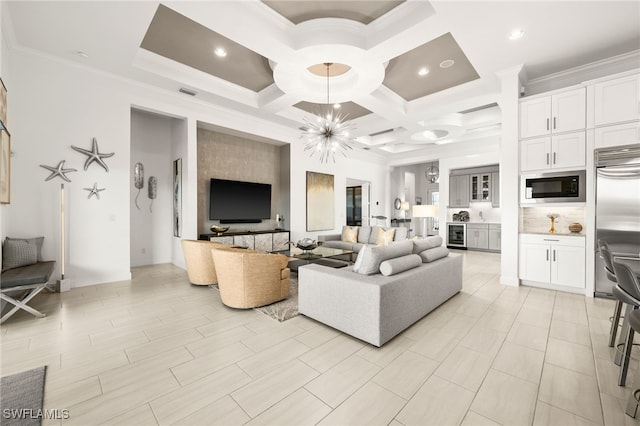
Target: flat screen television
{"x": 232, "y": 201}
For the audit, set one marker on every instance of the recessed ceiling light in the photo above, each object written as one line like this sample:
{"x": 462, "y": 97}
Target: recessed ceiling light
{"x": 447, "y": 63}
{"x": 516, "y": 34}
{"x": 336, "y": 106}
{"x": 423, "y": 71}
{"x": 80, "y": 53}
{"x": 220, "y": 52}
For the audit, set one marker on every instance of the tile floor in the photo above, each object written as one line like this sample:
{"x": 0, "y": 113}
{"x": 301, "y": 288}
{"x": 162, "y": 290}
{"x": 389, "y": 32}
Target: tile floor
{"x": 158, "y": 351}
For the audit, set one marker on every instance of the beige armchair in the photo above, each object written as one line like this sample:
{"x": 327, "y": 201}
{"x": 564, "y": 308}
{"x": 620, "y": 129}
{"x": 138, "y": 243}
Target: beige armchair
{"x": 248, "y": 279}
{"x": 197, "y": 256}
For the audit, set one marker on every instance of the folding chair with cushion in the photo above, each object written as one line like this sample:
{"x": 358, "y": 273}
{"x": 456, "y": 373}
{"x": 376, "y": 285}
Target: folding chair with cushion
{"x": 30, "y": 280}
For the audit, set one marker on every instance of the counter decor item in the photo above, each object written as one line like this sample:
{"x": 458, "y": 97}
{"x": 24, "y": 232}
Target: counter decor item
{"x": 575, "y": 227}
{"x": 219, "y": 230}
{"x": 553, "y": 217}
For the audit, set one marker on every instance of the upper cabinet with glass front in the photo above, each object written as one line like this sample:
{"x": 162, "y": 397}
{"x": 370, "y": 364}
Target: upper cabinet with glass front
{"x": 481, "y": 187}
{"x": 557, "y": 113}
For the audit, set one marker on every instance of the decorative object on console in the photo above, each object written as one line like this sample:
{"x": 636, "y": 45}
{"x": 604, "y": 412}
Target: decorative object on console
{"x": 58, "y": 171}
{"x": 5, "y": 165}
{"x": 553, "y": 217}
{"x": 404, "y": 207}
{"x": 153, "y": 191}
{"x": 177, "y": 197}
{"x": 327, "y": 133}
{"x": 425, "y": 211}
{"x": 219, "y": 230}
{"x": 575, "y": 227}
{"x": 320, "y": 202}
{"x": 138, "y": 179}
{"x": 94, "y": 190}
{"x": 279, "y": 222}
{"x": 94, "y": 155}
{"x": 432, "y": 173}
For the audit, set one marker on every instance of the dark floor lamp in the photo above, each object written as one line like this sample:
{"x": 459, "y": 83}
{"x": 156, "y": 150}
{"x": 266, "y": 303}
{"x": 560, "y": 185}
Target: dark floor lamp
{"x": 424, "y": 211}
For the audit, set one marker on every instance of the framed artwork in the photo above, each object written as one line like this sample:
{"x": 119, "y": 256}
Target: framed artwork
{"x": 3, "y": 103}
{"x": 320, "y": 202}
{"x": 5, "y": 166}
{"x": 177, "y": 197}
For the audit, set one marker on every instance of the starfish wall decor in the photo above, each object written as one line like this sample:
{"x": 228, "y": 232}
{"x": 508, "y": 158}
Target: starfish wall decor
{"x": 94, "y": 155}
{"x": 58, "y": 171}
{"x": 94, "y": 191}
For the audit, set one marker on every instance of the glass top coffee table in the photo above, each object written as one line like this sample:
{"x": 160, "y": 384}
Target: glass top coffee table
{"x": 319, "y": 255}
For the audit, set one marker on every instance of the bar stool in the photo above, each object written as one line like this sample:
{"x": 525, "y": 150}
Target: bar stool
{"x": 628, "y": 283}
{"x": 605, "y": 254}
{"x": 632, "y": 404}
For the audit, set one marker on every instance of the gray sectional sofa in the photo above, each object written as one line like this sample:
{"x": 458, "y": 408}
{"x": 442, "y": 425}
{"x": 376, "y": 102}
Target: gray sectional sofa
{"x": 409, "y": 282}
{"x": 366, "y": 235}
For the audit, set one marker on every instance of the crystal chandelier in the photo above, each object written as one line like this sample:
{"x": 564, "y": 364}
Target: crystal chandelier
{"x": 327, "y": 134}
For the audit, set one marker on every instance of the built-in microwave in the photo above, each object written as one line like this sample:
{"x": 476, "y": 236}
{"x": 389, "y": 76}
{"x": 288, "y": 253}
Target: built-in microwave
{"x": 554, "y": 187}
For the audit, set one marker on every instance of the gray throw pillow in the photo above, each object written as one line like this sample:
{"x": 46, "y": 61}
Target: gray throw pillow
{"x": 364, "y": 233}
{"x": 401, "y": 233}
{"x": 423, "y": 244}
{"x": 400, "y": 264}
{"x": 16, "y": 253}
{"x": 370, "y": 257}
{"x": 435, "y": 253}
{"x": 37, "y": 241}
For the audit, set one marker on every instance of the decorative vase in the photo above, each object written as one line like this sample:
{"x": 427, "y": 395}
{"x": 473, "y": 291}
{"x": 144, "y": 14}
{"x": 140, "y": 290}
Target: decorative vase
{"x": 552, "y": 230}
{"x": 575, "y": 227}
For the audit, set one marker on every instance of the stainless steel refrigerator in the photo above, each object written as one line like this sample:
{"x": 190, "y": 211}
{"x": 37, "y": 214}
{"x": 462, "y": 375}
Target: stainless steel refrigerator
{"x": 617, "y": 207}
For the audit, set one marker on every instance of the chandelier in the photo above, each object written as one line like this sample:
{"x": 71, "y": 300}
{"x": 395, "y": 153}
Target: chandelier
{"x": 432, "y": 173}
{"x": 327, "y": 133}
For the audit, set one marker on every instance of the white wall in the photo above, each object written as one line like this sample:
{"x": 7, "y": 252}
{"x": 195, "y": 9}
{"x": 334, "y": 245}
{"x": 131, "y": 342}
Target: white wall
{"x": 342, "y": 169}
{"x": 151, "y": 231}
{"x": 53, "y": 107}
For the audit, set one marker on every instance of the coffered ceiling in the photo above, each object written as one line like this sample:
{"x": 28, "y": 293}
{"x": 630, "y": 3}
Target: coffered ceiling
{"x": 414, "y": 74}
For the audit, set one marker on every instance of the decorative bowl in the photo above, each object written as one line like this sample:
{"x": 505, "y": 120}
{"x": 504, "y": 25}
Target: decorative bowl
{"x": 307, "y": 244}
{"x": 575, "y": 227}
{"x": 216, "y": 229}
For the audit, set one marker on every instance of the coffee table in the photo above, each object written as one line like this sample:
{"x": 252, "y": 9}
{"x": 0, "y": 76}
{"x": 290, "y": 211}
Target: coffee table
{"x": 320, "y": 255}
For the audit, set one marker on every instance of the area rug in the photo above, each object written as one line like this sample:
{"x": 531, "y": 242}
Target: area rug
{"x": 284, "y": 309}
{"x": 21, "y": 397}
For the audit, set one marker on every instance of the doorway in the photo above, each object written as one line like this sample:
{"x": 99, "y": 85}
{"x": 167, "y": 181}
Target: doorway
{"x": 354, "y": 205}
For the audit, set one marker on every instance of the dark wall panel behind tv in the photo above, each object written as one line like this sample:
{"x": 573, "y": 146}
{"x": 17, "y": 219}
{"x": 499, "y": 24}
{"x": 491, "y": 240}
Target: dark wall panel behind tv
{"x": 233, "y": 201}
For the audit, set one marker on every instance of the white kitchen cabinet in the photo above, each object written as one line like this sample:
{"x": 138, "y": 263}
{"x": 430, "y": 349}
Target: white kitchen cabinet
{"x": 622, "y": 134}
{"x": 495, "y": 237}
{"x": 478, "y": 236}
{"x": 617, "y": 100}
{"x": 495, "y": 189}
{"x": 553, "y": 260}
{"x": 558, "y": 113}
{"x": 459, "y": 191}
{"x": 554, "y": 152}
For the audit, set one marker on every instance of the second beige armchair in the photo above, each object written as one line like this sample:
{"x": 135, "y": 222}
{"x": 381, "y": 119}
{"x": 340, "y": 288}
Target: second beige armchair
{"x": 197, "y": 256}
{"x": 248, "y": 279}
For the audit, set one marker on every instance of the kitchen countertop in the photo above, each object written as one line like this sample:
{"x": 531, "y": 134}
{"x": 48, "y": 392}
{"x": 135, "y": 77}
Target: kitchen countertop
{"x": 559, "y": 234}
{"x": 475, "y": 222}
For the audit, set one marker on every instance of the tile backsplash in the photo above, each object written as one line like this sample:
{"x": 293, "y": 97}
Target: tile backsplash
{"x": 535, "y": 220}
